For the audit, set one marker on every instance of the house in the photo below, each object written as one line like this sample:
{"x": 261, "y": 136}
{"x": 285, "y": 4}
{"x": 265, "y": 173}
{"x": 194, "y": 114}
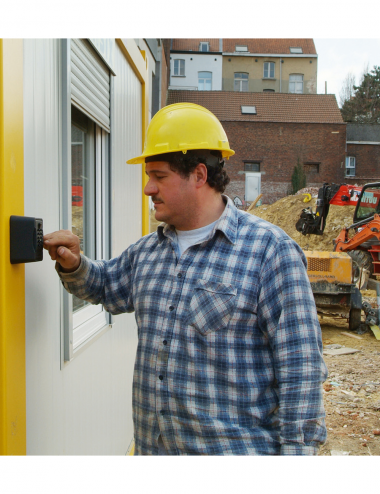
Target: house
{"x": 72, "y": 112}
{"x": 363, "y": 153}
{"x": 196, "y": 64}
{"x": 271, "y": 133}
{"x": 246, "y": 65}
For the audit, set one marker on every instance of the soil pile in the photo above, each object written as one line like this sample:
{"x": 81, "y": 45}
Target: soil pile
{"x": 286, "y": 211}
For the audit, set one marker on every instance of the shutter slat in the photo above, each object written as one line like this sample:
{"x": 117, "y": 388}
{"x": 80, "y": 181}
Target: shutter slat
{"x": 90, "y": 83}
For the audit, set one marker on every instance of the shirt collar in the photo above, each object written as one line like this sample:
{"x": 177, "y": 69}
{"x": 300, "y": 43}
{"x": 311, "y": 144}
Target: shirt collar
{"x": 227, "y": 224}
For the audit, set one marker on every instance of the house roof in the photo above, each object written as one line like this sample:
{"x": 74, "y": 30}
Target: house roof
{"x": 270, "y": 107}
{"x": 254, "y": 45}
{"x": 363, "y": 132}
{"x": 271, "y": 45}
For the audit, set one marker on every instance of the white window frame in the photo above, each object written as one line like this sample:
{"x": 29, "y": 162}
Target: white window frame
{"x": 204, "y": 79}
{"x": 91, "y": 318}
{"x": 203, "y": 44}
{"x": 178, "y": 67}
{"x": 268, "y": 69}
{"x": 350, "y": 166}
{"x": 295, "y": 49}
{"x": 296, "y": 85}
{"x": 241, "y": 81}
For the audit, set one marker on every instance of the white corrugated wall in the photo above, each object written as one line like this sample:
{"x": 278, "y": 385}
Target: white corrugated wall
{"x": 85, "y": 406}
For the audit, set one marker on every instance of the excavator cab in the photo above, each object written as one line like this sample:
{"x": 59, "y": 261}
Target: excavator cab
{"x": 368, "y": 203}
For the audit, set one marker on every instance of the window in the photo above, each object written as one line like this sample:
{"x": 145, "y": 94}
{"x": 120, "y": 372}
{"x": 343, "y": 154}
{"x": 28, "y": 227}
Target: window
{"x": 240, "y": 81}
{"x": 350, "y": 166}
{"x": 241, "y": 48}
{"x": 248, "y": 110}
{"x": 296, "y": 83}
{"x": 204, "y": 81}
{"x": 203, "y": 46}
{"x": 295, "y": 50}
{"x": 269, "y": 91}
{"x": 268, "y": 70}
{"x": 179, "y": 67}
{"x": 89, "y": 160}
{"x": 86, "y": 106}
{"x": 252, "y": 166}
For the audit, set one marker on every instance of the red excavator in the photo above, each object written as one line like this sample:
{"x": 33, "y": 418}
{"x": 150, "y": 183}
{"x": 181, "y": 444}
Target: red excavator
{"x": 364, "y": 245}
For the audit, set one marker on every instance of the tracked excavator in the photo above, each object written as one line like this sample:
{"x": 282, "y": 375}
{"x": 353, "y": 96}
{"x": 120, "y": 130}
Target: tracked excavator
{"x": 333, "y": 287}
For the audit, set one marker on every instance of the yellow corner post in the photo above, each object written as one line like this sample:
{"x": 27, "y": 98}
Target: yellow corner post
{"x": 139, "y": 63}
{"x": 12, "y": 277}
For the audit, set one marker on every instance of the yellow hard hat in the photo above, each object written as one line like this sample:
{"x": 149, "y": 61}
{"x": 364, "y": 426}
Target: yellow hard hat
{"x": 182, "y": 127}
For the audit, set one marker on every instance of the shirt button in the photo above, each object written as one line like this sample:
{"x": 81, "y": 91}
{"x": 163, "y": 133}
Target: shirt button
{"x": 160, "y": 378}
{"x": 179, "y": 275}
{"x": 165, "y": 342}
{"x": 171, "y": 308}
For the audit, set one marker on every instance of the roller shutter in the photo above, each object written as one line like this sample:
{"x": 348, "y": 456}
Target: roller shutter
{"x": 90, "y": 83}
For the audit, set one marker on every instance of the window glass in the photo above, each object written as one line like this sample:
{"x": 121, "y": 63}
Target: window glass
{"x": 296, "y": 83}
{"x": 179, "y": 67}
{"x": 269, "y": 70}
{"x": 203, "y": 46}
{"x": 82, "y": 187}
{"x": 240, "y": 81}
{"x": 369, "y": 203}
{"x": 296, "y": 50}
{"x": 241, "y": 48}
{"x": 204, "y": 81}
{"x": 350, "y": 166}
{"x": 252, "y": 167}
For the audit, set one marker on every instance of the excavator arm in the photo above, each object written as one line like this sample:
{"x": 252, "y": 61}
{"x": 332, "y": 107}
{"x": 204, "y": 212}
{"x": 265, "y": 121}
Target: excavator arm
{"x": 366, "y": 230}
{"x": 314, "y": 222}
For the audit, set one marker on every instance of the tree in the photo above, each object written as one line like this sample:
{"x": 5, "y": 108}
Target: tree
{"x": 364, "y": 105}
{"x": 298, "y": 177}
{"x": 347, "y": 91}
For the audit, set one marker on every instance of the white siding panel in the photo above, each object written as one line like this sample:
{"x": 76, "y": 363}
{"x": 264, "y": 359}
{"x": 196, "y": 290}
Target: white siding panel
{"x": 85, "y": 407}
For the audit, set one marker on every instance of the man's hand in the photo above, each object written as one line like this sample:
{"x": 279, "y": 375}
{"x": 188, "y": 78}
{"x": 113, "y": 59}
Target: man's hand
{"x": 64, "y": 247}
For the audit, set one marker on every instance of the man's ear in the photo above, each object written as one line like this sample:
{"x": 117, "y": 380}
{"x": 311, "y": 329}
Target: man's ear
{"x": 200, "y": 174}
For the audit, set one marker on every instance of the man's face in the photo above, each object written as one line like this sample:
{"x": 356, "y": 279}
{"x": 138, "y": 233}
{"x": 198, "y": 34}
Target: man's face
{"x": 172, "y": 195}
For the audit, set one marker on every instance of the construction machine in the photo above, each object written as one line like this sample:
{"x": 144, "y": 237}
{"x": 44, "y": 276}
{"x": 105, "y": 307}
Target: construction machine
{"x": 364, "y": 245}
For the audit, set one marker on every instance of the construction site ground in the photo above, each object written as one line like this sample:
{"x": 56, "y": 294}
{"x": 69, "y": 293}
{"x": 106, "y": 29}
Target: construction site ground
{"x": 352, "y": 390}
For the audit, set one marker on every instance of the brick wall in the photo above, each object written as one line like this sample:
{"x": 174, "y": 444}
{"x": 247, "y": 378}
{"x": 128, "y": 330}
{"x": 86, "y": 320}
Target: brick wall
{"x": 277, "y": 146}
{"x": 367, "y": 163}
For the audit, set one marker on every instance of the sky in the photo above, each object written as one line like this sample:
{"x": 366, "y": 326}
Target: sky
{"x": 338, "y": 57}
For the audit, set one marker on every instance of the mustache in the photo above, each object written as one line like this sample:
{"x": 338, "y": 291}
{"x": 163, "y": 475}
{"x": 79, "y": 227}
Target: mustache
{"x": 156, "y": 199}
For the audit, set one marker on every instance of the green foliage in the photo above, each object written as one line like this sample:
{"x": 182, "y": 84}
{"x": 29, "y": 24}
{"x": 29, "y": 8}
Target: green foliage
{"x": 364, "y": 105}
{"x": 298, "y": 177}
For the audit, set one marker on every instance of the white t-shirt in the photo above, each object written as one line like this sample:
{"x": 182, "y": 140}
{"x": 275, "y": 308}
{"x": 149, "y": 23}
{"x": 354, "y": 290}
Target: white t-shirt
{"x": 187, "y": 238}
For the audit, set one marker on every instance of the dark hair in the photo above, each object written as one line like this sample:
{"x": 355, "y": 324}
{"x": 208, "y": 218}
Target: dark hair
{"x": 185, "y": 164}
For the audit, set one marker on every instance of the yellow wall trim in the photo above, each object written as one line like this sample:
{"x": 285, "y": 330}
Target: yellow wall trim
{"x": 12, "y": 277}
{"x": 139, "y": 63}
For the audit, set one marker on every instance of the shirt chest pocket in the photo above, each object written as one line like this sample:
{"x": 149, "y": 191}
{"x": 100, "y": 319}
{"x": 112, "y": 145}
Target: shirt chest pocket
{"x": 211, "y": 306}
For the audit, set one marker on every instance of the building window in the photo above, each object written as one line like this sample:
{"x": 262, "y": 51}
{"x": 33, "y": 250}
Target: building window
{"x": 269, "y": 91}
{"x": 240, "y": 81}
{"x": 179, "y": 67}
{"x": 252, "y": 166}
{"x": 241, "y": 48}
{"x": 204, "y": 81}
{"x": 268, "y": 70}
{"x": 295, "y": 49}
{"x": 296, "y": 83}
{"x": 203, "y": 46}
{"x": 311, "y": 168}
{"x": 248, "y": 110}
{"x": 350, "y": 166}
{"x": 89, "y": 161}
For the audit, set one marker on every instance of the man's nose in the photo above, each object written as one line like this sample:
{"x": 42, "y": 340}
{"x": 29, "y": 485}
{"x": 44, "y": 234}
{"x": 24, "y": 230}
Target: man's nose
{"x": 150, "y": 189}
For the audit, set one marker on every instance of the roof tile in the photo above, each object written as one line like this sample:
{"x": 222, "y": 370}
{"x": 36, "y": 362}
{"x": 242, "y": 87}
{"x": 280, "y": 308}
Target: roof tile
{"x": 270, "y": 107}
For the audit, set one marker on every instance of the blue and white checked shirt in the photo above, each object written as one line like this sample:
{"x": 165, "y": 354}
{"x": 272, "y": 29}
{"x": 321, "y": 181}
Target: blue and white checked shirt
{"x": 229, "y": 358}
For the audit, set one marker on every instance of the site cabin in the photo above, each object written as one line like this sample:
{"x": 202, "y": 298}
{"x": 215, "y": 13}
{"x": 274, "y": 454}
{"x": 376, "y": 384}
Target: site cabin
{"x": 72, "y": 112}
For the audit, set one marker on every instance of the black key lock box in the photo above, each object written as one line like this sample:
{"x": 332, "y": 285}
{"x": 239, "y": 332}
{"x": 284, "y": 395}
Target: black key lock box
{"x": 26, "y": 238}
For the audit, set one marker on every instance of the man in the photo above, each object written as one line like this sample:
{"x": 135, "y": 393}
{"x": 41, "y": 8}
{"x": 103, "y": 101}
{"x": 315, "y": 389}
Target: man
{"x": 229, "y": 355}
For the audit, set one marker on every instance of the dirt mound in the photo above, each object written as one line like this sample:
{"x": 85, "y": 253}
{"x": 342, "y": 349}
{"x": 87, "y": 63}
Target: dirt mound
{"x": 286, "y": 211}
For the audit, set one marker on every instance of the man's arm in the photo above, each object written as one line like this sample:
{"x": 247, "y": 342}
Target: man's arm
{"x": 288, "y": 315}
{"x": 99, "y": 282}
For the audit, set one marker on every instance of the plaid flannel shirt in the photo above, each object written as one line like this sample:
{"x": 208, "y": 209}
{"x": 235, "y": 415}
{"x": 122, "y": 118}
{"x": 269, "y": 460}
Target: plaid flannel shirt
{"x": 229, "y": 358}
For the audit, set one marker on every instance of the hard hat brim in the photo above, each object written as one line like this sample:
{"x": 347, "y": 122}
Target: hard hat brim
{"x": 141, "y": 159}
